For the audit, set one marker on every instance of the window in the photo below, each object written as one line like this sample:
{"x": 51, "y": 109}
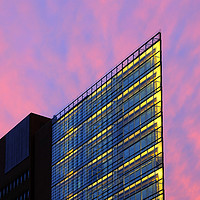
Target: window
{"x": 136, "y": 74}
{"x": 138, "y": 196}
{"x": 148, "y": 64}
{"x": 126, "y": 129}
{"x": 132, "y": 150}
{"x": 131, "y": 125}
{"x": 143, "y": 116}
{"x": 137, "y": 121}
{"x": 24, "y": 176}
{"x": 149, "y": 88}
{"x": 149, "y": 114}
{"x": 143, "y": 93}
{"x": 142, "y": 69}
{"x": 130, "y": 78}
{"x": 131, "y": 102}
{"x": 125, "y": 82}
{"x": 137, "y": 146}
{"x": 126, "y": 153}
{"x": 126, "y": 106}
{"x": 137, "y": 97}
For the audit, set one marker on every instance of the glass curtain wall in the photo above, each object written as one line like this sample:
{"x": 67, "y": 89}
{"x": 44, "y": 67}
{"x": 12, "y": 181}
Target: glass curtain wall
{"x": 108, "y": 143}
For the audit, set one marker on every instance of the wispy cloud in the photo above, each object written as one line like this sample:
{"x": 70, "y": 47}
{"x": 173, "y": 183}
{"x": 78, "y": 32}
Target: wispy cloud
{"x": 52, "y": 51}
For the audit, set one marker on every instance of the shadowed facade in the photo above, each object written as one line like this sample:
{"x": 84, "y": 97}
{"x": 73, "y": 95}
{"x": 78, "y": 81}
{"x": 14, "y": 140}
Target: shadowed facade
{"x": 25, "y": 160}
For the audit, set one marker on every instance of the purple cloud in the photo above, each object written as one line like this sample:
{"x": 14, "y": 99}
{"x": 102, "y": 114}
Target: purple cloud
{"x": 52, "y": 51}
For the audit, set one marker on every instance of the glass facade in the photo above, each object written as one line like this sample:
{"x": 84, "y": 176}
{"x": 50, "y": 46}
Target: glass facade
{"x": 108, "y": 143}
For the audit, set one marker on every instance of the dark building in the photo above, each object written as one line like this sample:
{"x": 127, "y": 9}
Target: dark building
{"x": 25, "y": 160}
{"x": 108, "y": 143}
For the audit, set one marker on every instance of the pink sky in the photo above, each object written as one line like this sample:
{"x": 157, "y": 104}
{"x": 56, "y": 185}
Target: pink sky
{"x": 51, "y": 51}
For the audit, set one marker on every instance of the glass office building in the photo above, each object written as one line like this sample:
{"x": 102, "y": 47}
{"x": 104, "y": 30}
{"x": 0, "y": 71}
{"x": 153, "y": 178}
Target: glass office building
{"x": 108, "y": 143}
